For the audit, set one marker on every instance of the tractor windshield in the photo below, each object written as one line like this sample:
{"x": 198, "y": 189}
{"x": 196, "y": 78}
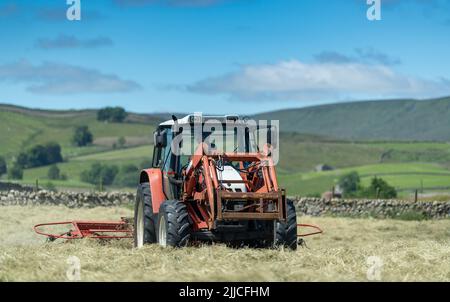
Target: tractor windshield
{"x": 220, "y": 139}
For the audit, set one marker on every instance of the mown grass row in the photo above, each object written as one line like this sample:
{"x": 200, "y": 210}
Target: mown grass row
{"x": 408, "y": 250}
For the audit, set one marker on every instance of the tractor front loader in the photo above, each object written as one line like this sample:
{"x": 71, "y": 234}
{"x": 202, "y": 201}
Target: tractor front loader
{"x": 212, "y": 194}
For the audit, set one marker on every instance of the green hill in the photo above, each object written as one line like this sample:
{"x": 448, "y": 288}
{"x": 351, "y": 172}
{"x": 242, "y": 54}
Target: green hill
{"x": 22, "y": 128}
{"x": 406, "y": 120}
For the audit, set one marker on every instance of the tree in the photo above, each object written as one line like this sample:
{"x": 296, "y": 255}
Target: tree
{"x": 15, "y": 172}
{"x": 100, "y": 174}
{"x": 37, "y": 156}
{"x": 3, "y": 167}
{"x": 127, "y": 176}
{"x": 350, "y": 183}
{"x": 93, "y": 174}
{"x": 121, "y": 142}
{"x": 54, "y": 173}
{"x": 53, "y": 153}
{"x": 379, "y": 188}
{"x": 112, "y": 114}
{"x": 129, "y": 169}
{"x": 40, "y": 155}
{"x": 108, "y": 174}
{"x": 22, "y": 160}
{"x": 82, "y": 136}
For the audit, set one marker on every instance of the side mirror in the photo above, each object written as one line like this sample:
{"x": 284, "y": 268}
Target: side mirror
{"x": 160, "y": 139}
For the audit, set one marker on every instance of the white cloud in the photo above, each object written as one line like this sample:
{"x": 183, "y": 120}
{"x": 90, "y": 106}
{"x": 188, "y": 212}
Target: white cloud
{"x": 59, "y": 78}
{"x": 296, "y": 80}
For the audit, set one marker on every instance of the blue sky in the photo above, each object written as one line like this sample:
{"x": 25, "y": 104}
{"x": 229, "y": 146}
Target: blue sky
{"x": 221, "y": 56}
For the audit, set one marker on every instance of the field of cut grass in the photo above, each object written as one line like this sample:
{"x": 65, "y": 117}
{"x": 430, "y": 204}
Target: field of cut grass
{"x": 403, "y": 176}
{"x": 407, "y": 251}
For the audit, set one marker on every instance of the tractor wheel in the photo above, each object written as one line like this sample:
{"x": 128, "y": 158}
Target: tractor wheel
{"x": 144, "y": 218}
{"x": 286, "y": 232}
{"x": 174, "y": 228}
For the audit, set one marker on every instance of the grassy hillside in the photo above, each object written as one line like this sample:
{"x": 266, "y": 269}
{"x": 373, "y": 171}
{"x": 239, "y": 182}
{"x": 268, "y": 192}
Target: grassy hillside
{"x": 373, "y": 120}
{"x": 23, "y": 128}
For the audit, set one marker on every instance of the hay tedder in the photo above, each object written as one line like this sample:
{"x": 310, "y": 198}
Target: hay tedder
{"x": 210, "y": 181}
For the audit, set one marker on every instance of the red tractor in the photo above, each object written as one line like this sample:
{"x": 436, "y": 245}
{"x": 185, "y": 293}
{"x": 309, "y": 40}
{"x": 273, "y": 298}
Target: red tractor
{"x": 213, "y": 193}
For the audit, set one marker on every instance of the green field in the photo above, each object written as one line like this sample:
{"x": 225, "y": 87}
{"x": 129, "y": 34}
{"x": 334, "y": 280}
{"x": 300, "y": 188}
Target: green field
{"x": 403, "y": 176}
{"x": 142, "y": 152}
{"x": 77, "y": 165}
{"x": 300, "y": 153}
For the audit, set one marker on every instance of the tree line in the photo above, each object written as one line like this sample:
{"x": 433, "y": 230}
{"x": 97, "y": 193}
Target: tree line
{"x": 351, "y": 185}
{"x": 105, "y": 175}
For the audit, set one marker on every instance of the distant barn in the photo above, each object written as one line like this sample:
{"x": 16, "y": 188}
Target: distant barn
{"x": 323, "y": 167}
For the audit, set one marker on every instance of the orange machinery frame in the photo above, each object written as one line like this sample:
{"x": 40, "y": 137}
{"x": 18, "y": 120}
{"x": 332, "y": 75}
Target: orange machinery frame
{"x": 265, "y": 200}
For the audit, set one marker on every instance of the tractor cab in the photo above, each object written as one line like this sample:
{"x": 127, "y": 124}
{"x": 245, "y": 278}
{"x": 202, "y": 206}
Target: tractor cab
{"x": 177, "y": 140}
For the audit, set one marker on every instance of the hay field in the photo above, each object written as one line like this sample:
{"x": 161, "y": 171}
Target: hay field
{"x": 409, "y": 251}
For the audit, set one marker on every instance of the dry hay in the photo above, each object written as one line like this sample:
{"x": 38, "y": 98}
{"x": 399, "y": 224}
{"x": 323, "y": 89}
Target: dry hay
{"x": 410, "y": 251}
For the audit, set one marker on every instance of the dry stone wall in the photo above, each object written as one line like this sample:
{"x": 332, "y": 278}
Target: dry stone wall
{"x": 70, "y": 199}
{"x": 376, "y": 208}
{"x": 306, "y": 206}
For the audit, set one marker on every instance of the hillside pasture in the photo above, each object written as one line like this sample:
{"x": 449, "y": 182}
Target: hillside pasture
{"x": 74, "y": 168}
{"x": 22, "y": 131}
{"x": 300, "y": 153}
{"x": 403, "y": 176}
